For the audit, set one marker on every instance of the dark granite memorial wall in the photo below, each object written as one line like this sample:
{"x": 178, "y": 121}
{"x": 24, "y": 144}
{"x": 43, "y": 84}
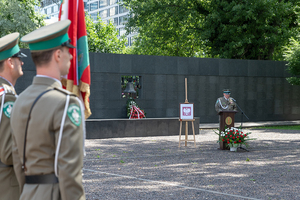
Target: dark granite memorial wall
{"x": 259, "y": 87}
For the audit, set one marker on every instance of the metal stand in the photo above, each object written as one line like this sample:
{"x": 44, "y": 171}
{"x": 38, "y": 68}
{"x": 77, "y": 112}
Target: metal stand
{"x": 242, "y": 114}
{"x": 243, "y": 149}
{"x": 242, "y": 124}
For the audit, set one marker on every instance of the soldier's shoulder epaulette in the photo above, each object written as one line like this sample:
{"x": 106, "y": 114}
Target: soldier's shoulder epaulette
{"x": 66, "y": 92}
{"x": 4, "y": 88}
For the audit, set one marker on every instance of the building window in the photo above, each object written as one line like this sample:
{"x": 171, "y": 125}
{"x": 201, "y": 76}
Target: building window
{"x": 123, "y": 20}
{"x": 49, "y": 10}
{"x": 103, "y": 14}
{"x": 94, "y": 6}
{"x": 56, "y": 8}
{"x": 86, "y": 6}
{"x": 103, "y": 3}
{"x": 113, "y": 11}
{"x": 122, "y": 31}
{"x": 94, "y": 16}
{"x": 116, "y": 21}
{"x": 122, "y": 9}
{"x": 112, "y": 2}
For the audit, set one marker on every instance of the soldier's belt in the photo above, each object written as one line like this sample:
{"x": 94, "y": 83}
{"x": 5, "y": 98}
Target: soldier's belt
{"x": 2, "y": 165}
{"x": 41, "y": 179}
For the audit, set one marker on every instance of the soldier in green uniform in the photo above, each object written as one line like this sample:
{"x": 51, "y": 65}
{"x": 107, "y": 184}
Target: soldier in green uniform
{"x": 47, "y": 122}
{"x": 225, "y": 102}
{"x": 10, "y": 71}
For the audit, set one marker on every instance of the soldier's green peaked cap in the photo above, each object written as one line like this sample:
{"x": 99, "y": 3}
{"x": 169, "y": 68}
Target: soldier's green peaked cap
{"x": 9, "y": 46}
{"x": 49, "y": 37}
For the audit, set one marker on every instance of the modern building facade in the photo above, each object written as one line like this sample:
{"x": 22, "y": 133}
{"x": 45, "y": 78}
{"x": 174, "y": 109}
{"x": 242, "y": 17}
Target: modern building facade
{"x": 108, "y": 10}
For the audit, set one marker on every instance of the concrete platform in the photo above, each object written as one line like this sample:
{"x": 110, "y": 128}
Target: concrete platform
{"x": 117, "y": 128}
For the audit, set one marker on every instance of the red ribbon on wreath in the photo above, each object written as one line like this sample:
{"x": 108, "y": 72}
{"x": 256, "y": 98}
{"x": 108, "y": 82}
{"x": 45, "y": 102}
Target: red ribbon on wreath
{"x": 136, "y": 113}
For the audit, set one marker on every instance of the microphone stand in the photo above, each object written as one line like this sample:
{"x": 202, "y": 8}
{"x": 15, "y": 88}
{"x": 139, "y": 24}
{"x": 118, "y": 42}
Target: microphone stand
{"x": 241, "y": 122}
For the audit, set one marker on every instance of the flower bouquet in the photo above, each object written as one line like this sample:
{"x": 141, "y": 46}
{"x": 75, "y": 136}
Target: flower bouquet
{"x": 234, "y": 137}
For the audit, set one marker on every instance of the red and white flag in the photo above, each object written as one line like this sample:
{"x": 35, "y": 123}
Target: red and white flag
{"x": 78, "y": 80}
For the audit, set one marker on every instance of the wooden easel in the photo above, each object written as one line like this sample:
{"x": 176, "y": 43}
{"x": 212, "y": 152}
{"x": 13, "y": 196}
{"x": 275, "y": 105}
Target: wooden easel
{"x": 186, "y": 123}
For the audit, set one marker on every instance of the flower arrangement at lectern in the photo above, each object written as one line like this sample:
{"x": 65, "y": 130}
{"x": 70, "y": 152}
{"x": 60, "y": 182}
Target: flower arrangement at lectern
{"x": 234, "y": 137}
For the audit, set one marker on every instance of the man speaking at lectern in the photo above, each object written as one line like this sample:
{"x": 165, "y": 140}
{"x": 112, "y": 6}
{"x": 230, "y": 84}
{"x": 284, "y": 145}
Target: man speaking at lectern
{"x": 226, "y": 102}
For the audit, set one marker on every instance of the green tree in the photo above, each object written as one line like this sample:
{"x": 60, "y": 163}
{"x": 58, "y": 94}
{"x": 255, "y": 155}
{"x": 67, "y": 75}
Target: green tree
{"x": 19, "y": 16}
{"x": 165, "y": 27}
{"x": 103, "y": 37}
{"x": 250, "y": 29}
{"x": 241, "y": 29}
{"x": 292, "y": 56}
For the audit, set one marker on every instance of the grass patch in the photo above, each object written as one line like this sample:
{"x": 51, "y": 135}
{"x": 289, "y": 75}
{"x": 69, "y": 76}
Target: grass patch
{"x": 286, "y": 127}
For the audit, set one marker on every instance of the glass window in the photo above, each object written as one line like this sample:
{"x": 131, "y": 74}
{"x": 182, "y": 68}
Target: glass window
{"x": 116, "y": 21}
{"x": 122, "y": 31}
{"x": 49, "y": 10}
{"x": 103, "y": 13}
{"x": 86, "y": 6}
{"x": 94, "y": 15}
{"x": 122, "y": 9}
{"x": 55, "y": 9}
{"x": 113, "y": 11}
{"x": 123, "y": 20}
{"x": 94, "y": 6}
{"x": 111, "y": 2}
{"x": 103, "y": 3}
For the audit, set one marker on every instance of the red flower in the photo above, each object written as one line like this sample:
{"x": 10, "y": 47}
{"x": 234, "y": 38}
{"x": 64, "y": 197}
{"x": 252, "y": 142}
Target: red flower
{"x": 237, "y": 131}
{"x": 223, "y": 140}
{"x": 230, "y": 136}
{"x": 242, "y": 136}
{"x": 233, "y": 137}
{"x": 245, "y": 135}
{"x": 228, "y": 142}
{"x": 228, "y": 139}
{"x": 242, "y": 132}
{"x": 225, "y": 135}
{"x": 234, "y": 142}
{"x": 240, "y": 141}
{"x": 237, "y": 136}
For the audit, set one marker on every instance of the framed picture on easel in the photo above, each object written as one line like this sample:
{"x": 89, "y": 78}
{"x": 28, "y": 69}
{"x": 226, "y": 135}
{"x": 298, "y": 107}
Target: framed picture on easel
{"x": 186, "y": 111}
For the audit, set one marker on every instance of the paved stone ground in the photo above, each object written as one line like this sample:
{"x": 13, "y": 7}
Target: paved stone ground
{"x": 155, "y": 168}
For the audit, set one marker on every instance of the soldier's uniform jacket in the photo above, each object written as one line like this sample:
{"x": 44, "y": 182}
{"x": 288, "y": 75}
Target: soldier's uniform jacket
{"x": 225, "y": 104}
{"x": 9, "y": 187}
{"x": 43, "y": 143}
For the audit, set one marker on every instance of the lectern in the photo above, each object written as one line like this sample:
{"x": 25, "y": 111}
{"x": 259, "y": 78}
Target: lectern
{"x": 226, "y": 120}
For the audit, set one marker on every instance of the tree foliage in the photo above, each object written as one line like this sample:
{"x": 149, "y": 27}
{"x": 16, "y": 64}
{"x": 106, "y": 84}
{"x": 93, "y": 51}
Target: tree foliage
{"x": 250, "y": 29}
{"x": 103, "y": 37}
{"x": 241, "y": 29}
{"x": 19, "y": 16}
{"x": 165, "y": 27}
{"x": 292, "y": 56}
